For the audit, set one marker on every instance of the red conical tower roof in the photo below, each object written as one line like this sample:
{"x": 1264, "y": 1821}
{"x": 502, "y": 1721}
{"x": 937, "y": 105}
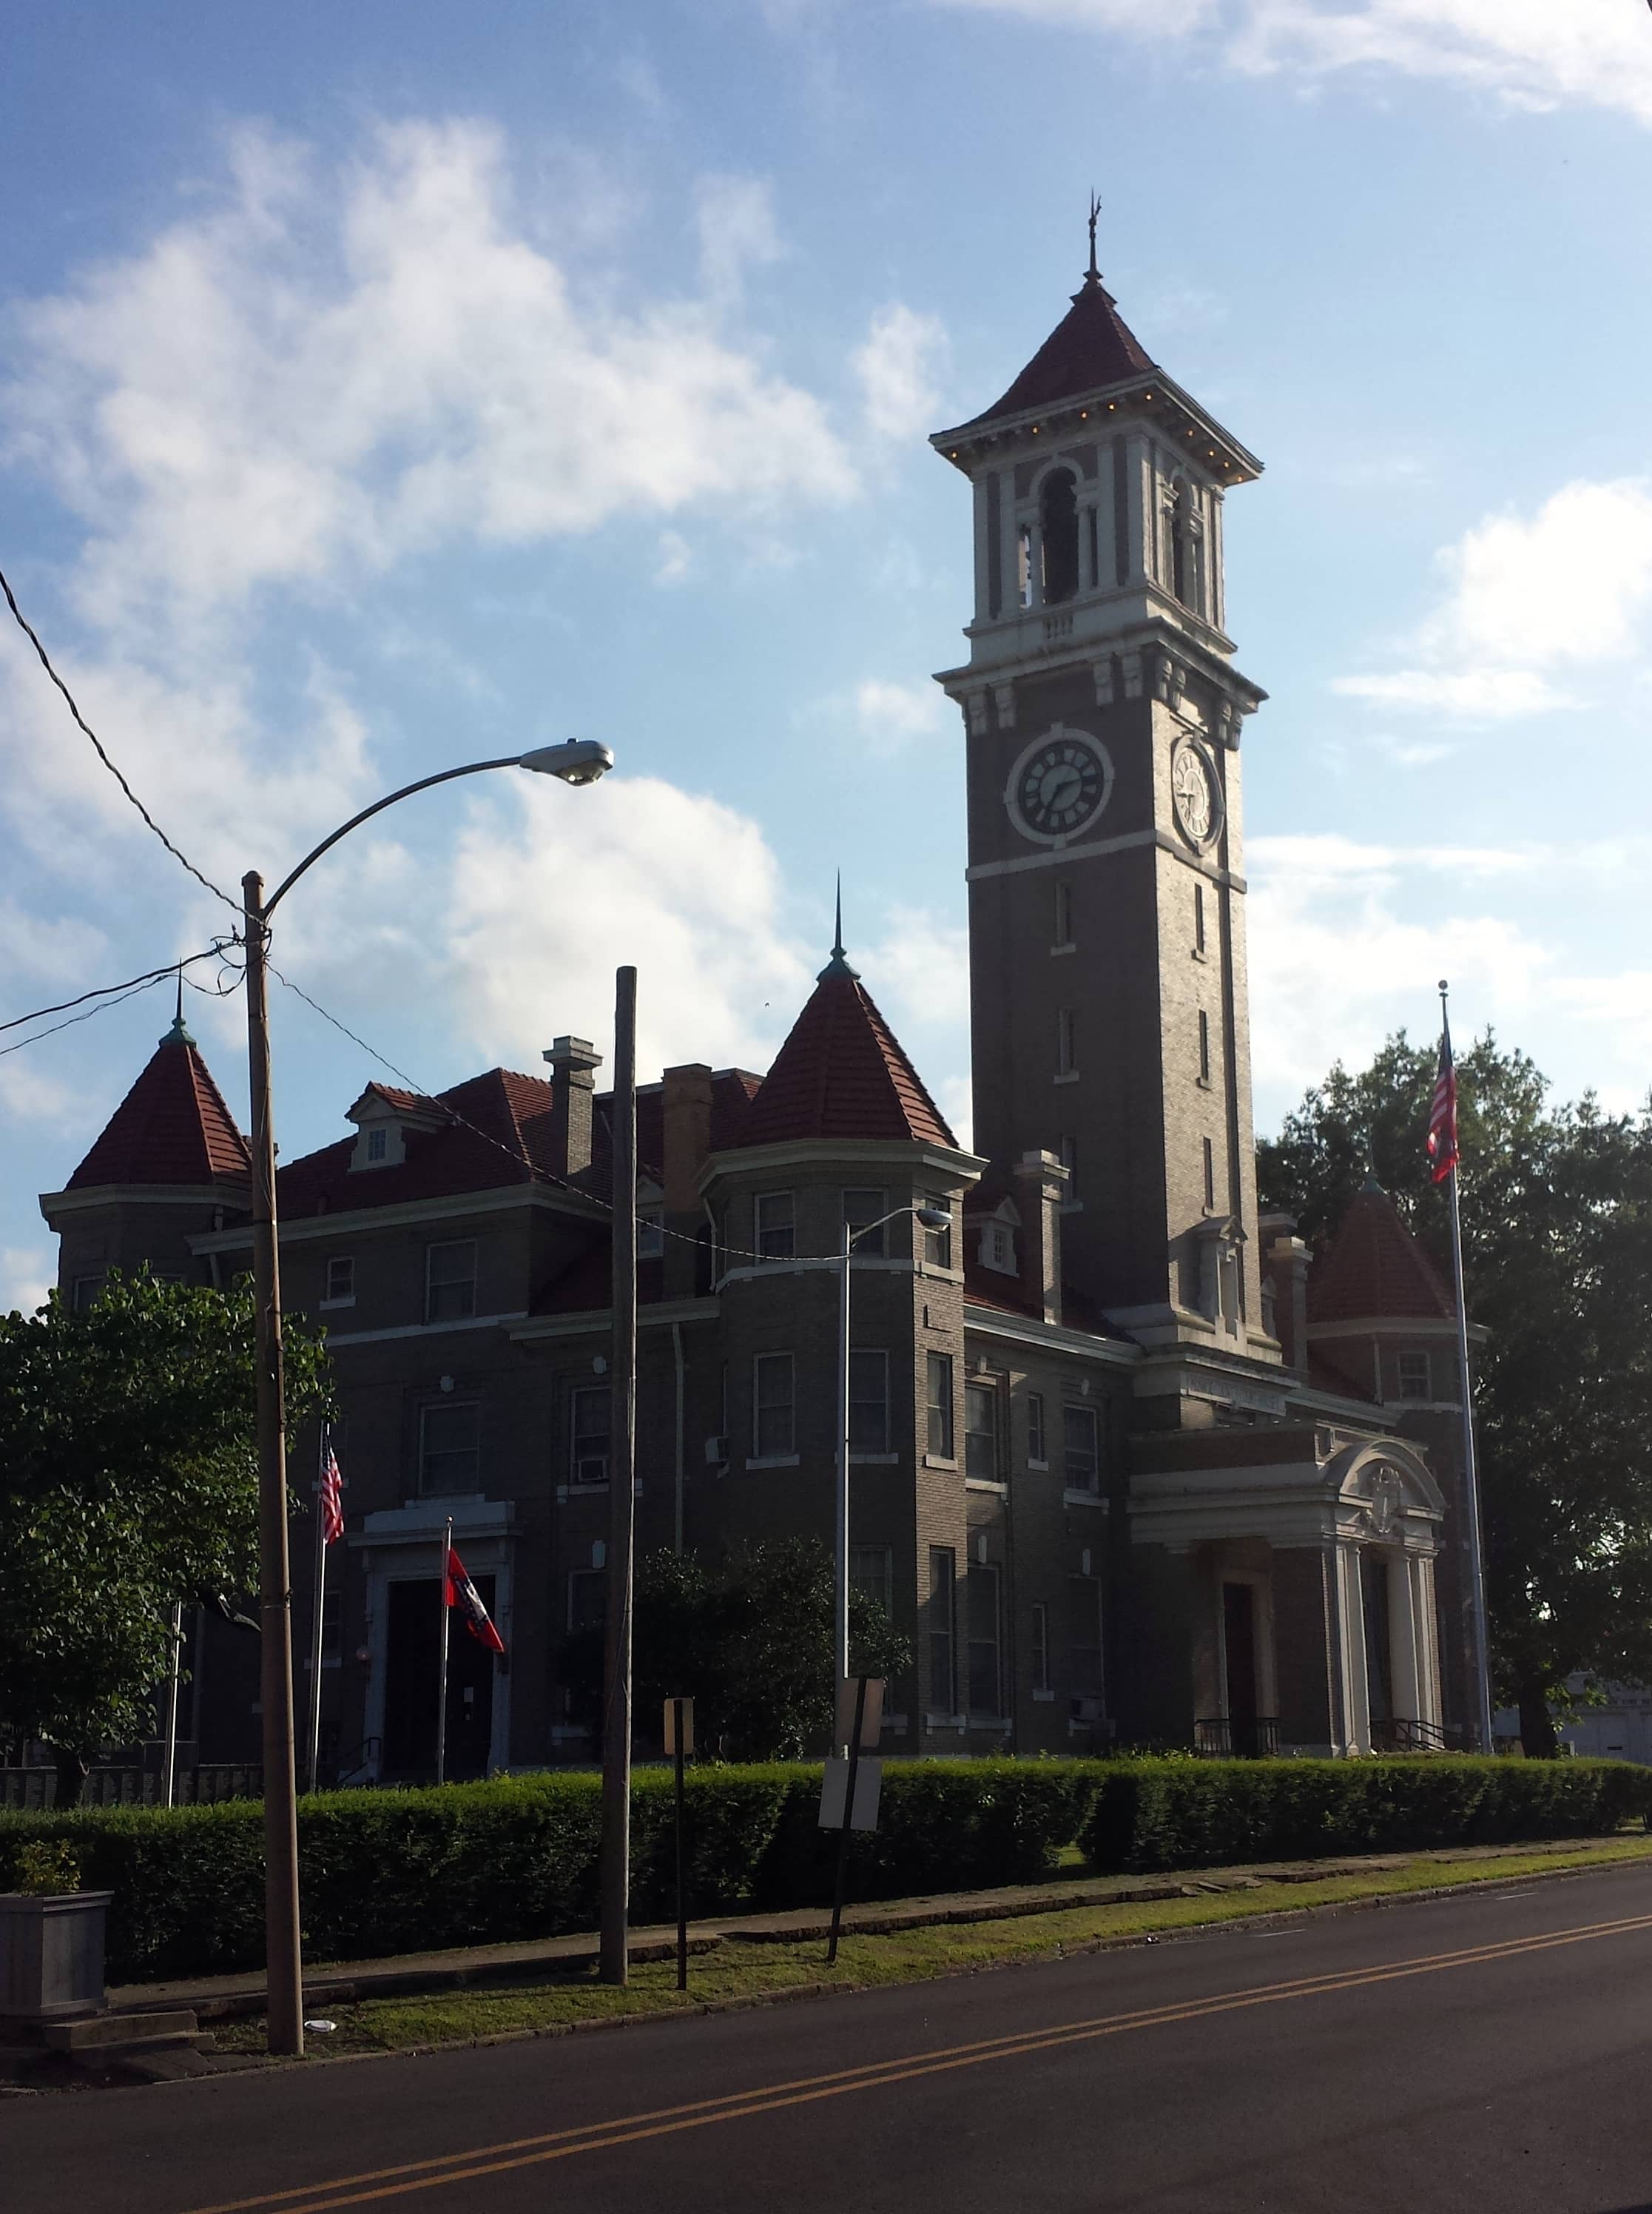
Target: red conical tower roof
{"x": 1376, "y": 1269}
{"x": 172, "y": 1128}
{"x": 842, "y": 1073}
{"x": 1091, "y": 347}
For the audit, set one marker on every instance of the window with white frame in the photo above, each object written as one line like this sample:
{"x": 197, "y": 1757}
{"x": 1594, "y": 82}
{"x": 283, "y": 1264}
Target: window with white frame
{"x": 450, "y": 1281}
{"x": 868, "y": 1400}
{"x": 776, "y": 1231}
{"x": 590, "y": 1409}
{"x": 1082, "y": 1449}
{"x": 774, "y": 1423}
{"x": 341, "y": 1277}
{"x": 1040, "y": 1646}
{"x": 999, "y": 1248}
{"x": 378, "y": 1142}
{"x": 981, "y": 1597}
{"x": 1035, "y": 1452}
{"x": 981, "y": 1431}
{"x": 450, "y": 1447}
{"x": 1416, "y": 1378}
{"x": 937, "y": 1244}
{"x": 939, "y": 1368}
{"x": 862, "y": 1207}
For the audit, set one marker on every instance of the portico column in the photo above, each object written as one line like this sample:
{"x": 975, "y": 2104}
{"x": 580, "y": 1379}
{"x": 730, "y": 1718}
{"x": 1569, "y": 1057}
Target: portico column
{"x": 1431, "y": 1708}
{"x": 1405, "y": 1643}
{"x": 1356, "y": 1683}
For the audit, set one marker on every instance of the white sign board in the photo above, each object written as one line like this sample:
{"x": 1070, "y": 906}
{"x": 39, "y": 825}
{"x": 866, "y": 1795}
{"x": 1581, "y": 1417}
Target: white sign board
{"x": 834, "y": 1787}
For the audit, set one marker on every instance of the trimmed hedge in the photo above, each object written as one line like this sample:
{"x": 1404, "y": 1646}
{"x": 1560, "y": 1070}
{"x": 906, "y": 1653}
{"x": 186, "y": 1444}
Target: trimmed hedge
{"x": 386, "y": 1872}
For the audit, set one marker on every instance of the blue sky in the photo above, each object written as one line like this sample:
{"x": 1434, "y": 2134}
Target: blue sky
{"x": 385, "y": 386}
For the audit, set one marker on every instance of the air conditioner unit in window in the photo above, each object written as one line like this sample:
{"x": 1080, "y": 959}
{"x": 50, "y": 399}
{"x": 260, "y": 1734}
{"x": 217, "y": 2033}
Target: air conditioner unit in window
{"x": 591, "y": 1468}
{"x": 716, "y": 1452}
{"x": 1091, "y": 1711}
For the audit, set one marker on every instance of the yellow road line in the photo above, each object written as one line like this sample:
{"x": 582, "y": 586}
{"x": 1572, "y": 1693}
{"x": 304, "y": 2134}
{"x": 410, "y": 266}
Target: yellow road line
{"x": 596, "y": 2136}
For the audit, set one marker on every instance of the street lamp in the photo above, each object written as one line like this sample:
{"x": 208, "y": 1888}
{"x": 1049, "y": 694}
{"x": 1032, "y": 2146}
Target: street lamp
{"x": 576, "y": 761}
{"x": 930, "y": 1218}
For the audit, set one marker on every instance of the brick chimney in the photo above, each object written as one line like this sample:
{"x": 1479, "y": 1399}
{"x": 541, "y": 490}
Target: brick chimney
{"x": 1285, "y": 1276}
{"x": 1041, "y": 1188}
{"x": 686, "y": 1141}
{"x": 573, "y": 1072}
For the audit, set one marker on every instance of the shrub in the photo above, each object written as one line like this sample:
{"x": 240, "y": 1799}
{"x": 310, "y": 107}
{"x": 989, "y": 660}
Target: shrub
{"x": 46, "y": 1868}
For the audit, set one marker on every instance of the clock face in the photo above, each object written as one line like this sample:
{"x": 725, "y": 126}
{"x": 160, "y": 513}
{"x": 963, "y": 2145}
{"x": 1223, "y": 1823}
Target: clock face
{"x": 1061, "y": 783}
{"x": 1194, "y": 795}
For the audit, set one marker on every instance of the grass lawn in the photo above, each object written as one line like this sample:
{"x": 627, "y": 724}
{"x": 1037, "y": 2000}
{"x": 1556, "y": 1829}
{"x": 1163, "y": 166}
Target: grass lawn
{"x": 737, "y": 1971}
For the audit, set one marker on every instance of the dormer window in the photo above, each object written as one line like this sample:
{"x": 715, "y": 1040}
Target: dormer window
{"x": 650, "y": 1234}
{"x": 385, "y": 1120}
{"x": 378, "y": 1144}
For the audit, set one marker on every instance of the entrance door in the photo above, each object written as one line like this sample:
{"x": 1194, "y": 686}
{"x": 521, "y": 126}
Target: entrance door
{"x": 1379, "y": 1664}
{"x": 413, "y": 1668}
{"x": 1238, "y": 1647}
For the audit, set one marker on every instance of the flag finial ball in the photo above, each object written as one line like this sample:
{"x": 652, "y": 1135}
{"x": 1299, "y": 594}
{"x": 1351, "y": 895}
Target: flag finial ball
{"x": 1444, "y": 987}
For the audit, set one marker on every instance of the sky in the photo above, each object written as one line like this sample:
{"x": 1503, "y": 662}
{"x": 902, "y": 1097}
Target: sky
{"x": 388, "y": 387}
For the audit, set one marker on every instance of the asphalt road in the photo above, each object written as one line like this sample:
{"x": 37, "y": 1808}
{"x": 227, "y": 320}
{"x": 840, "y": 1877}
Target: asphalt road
{"x": 1487, "y": 2051}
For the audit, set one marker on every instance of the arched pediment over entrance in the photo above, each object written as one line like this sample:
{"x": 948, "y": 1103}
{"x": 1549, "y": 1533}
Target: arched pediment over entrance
{"x": 1385, "y": 1493}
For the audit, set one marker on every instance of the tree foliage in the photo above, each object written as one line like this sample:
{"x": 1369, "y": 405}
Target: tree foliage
{"x": 130, "y": 1487}
{"x": 1556, "y": 1209}
{"x": 750, "y": 1639}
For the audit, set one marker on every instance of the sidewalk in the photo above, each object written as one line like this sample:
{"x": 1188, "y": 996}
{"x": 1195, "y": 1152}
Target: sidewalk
{"x": 224, "y": 1998}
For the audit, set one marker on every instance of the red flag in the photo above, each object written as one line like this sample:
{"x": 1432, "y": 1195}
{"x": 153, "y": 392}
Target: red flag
{"x": 332, "y": 1501}
{"x": 1443, "y": 1116}
{"x": 462, "y": 1592}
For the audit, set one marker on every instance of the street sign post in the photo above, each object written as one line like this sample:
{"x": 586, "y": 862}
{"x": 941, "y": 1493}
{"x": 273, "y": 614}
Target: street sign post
{"x": 680, "y": 1743}
{"x": 845, "y": 1799}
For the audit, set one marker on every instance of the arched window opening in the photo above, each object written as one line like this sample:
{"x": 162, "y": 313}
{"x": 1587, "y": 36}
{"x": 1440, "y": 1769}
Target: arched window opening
{"x": 1058, "y": 532}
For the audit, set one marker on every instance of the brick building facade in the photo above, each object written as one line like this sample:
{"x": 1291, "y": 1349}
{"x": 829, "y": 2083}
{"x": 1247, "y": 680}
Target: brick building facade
{"x": 1128, "y": 1463}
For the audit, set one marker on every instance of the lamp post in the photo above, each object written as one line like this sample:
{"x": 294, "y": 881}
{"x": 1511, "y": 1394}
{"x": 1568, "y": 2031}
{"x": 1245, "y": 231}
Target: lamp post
{"x": 930, "y": 1218}
{"x": 580, "y": 761}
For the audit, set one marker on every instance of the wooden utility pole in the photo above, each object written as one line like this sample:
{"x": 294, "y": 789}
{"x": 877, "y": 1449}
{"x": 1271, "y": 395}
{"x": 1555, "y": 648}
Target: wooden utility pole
{"x": 283, "y": 1965}
{"x": 613, "y": 1966}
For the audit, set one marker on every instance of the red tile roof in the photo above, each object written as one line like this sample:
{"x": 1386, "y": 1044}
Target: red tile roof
{"x": 1091, "y": 347}
{"x": 504, "y": 1136}
{"x": 1376, "y": 1268}
{"x": 842, "y": 1074}
{"x": 172, "y": 1128}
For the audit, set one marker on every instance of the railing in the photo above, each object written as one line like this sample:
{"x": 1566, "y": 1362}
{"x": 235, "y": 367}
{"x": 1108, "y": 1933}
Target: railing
{"x": 1400, "y": 1733}
{"x": 1237, "y": 1737}
{"x": 357, "y": 1768}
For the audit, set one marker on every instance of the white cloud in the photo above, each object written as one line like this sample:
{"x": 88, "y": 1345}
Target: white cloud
{"x": 27, "y": 1273}
{"x": 1571, "y": 585}
{"x": 1527, "y": 53}
{"x": 897, "y": 364}
{"x": 890, "y": 715}
{"x": 326, "y": 372}
{"x": 738, "y": 232}
{"x": 918, "y": 973}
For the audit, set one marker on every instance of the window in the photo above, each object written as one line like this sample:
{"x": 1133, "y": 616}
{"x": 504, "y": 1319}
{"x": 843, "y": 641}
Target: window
{"x": 937, "y": 1244}
{"x": 981, "y": 1431}
{"x": 776, "y": 1231}
{"x": 1064, "y": 917}
{"x": 588, "y": 1599}
{"x": 378, "y": 1143}
{"x": 450, "y": 1281}
{"x": 1035, "y": 1427}
{"x": 943, "y": 1689}
{"x": 998, "y": 1249}
{"x": 650, "y": 1234}
{"x": 589, "y": 1408}
{"x": 1065, "y": 1063}
{"x": 82, "y": 1293}
{"x": 341, "y": 1277}
{"x": 774, "y": 1427}
{"x": 449, "y": 1441}
{"x": 1415, "y": 1380}
{"x": 1084, "y": 1639}
{"x": 1058, "y": 536}
{"x": 1024, "y": 565}
{"x": 868, "y": 1401}
{"x": 1068, "y": 1148}
{"x": 1081, "y": 1452}
{"x": 984, "y": 1693}
{"x": 940, "y": 1404}
{"x": 1040, "y": 1647}
{"x": 872, "y": 1570}
{"x": 1198, "y": 918}
{"x": 860, "y": 1208}
{"x": 1204, "y": 1047}
{"x": 1209, "y": 1177}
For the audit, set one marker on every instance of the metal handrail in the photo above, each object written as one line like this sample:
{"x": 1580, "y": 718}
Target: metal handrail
{"x": 1237, "y": 1737}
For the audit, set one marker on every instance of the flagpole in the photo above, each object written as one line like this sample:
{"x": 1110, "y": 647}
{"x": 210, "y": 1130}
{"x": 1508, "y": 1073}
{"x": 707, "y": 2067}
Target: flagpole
{"x": 442, "y": 1694}
{"x": 321, "y": 1602}
{"x": 1471, "y": 1466}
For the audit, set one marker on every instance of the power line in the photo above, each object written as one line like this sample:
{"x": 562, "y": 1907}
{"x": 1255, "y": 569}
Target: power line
{"x": 146, "y": 984}
{"x": 29, "y": 633}
{"x": 125, "y": 989}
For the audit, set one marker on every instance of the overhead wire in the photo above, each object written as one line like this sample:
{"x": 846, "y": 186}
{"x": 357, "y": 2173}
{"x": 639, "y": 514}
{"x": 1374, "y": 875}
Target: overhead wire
{"x": 128, "y": 985}
{"x": 182, "y": 859}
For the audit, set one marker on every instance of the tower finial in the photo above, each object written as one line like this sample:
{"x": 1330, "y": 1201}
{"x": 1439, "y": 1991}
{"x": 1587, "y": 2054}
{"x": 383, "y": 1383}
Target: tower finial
{"x": 839, "y": 964}
{"x": 1093, "y": 275}
{"x": 178, "y": 1035}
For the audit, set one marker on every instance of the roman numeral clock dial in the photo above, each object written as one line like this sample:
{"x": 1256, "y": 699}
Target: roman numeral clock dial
{"x": 1059, "y": 785}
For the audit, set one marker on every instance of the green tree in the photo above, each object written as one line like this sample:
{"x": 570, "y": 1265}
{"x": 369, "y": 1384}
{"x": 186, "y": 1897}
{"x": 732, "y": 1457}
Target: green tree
{"x": 1557, "y": 1207}
{"x": 749, "y": 1639}
{"x": 129, "y": 1486}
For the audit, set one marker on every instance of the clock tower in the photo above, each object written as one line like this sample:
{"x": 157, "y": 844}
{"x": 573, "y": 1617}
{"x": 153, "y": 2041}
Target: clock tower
{"x": 1107, "y": 890}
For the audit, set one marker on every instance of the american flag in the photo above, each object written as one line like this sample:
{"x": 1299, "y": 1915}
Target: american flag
{"x": 462, "y": 1594}
{"x": 332, "y": 1500}
{"x": 1443, "y": 1116}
